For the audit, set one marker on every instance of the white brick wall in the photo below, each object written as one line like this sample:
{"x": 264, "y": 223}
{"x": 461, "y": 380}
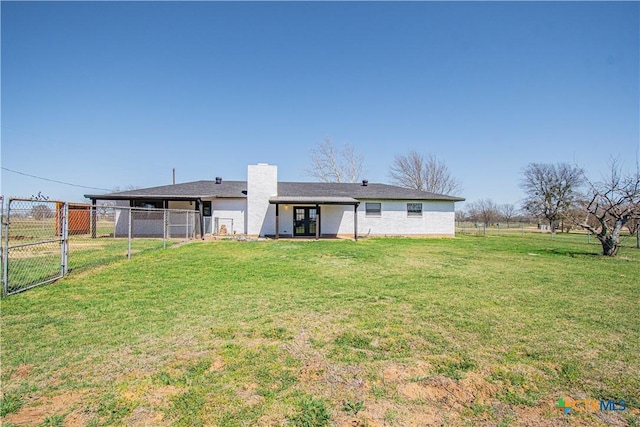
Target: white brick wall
{"x": 437, "y": 219}
{"x": 230, "y": 208}
{"x": 262, "y": 184}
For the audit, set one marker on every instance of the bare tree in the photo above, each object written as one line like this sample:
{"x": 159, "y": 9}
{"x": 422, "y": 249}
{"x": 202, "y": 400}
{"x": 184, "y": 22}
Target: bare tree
{"x": 415, "y": 171}
{"x": 328, "y": 164}
{"x": 41, "y": 212}
{"x": 614, "y": 202}
{"x": 551, "y": 190}
{"x": 507, "y": 212}
{"x": 484, "y": 210}
{"x": 573, "y": 216}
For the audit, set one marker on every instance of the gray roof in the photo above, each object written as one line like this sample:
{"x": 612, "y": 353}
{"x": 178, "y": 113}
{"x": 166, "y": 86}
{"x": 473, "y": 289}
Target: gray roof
{"x": 304, "y": 200}
{"x": 303, "y": 190}
{"x": 357, "y": 191}
{"x": 187, "y": 191}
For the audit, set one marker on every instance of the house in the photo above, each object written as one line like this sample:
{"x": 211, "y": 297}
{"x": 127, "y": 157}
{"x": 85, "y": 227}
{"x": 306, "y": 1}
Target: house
{"x": 262, "y": 206}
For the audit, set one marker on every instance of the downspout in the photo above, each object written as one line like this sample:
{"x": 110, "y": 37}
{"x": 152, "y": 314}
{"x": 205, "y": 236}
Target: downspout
{"x": 317, "y": 221}
{"x": 201, "y": 210}
{"x": 355, "y": 221}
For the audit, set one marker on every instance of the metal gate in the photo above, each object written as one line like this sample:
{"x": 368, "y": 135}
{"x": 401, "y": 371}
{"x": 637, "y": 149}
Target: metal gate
{"x": 36, "y": 244}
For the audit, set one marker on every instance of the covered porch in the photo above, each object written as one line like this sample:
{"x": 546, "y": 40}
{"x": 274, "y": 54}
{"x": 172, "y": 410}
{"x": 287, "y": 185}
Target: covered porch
{"x": 182, "y": 203}
{"x": 304, "y": 215}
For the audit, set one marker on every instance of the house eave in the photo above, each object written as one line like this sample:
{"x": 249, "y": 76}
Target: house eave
{"x": 311, "y": 200}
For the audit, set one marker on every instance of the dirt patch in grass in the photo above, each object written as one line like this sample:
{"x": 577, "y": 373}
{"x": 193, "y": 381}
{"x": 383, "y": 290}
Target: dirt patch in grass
{"x": 428, "y": 399}
{"x": 412, "y": 394}
{"x": 142, "y": 416}
{"x": 22, "y": 372}
{"x": 248, "y": 394}
{"x": 38, "y": 410}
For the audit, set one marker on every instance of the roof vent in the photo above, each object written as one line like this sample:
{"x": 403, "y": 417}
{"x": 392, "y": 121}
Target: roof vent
{"x": 218, "y": 180}
{"x": 365, "y": 182}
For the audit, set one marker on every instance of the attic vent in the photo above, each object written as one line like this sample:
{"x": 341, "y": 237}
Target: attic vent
{"x": 365, "y": 182}
{"x": 218, "y": 180}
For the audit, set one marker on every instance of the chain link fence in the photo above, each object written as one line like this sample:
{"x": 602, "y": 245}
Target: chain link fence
{"x": 44, "y": 240}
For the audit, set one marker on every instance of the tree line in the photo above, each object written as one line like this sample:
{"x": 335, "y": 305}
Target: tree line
{"x": 559, "y": 194}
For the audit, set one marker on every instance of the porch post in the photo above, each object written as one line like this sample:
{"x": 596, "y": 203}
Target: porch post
{"x": 201, "y": 210}
{"x": 277, "y": 221}
{"x": 355, "y": 222}
{"x": 317, "y": 221}
{"x": 94, "y": 218}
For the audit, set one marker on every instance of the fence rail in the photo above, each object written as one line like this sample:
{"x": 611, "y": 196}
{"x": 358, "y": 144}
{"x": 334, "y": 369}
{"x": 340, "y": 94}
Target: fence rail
{"x": 44, "y": 240}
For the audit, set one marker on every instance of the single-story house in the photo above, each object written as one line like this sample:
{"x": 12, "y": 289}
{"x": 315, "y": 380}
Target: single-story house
{"x": 262, "y": 206}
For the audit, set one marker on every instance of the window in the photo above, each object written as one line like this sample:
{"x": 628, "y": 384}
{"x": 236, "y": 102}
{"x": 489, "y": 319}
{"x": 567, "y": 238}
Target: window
{"x": 373, "y": 209}
{"x": 148, "y": 204}
{"x": 414, "y": 209}
{"x": 206, "y": 207}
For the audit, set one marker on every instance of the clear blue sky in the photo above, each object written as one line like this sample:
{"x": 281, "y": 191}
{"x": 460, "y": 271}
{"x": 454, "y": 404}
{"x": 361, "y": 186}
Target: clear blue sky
{"x": 109, "y": 95}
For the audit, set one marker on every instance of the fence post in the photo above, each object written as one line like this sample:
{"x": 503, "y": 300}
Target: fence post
{"x": 65, "y": 239}
{"x": 164, "y": 229}
{"x": 3, "y": 247}
{"x": 129, "y": 235}
{"x": 5, "y": 271}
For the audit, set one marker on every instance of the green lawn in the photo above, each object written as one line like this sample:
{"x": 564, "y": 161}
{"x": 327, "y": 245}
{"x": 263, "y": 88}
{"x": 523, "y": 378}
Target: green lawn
{"x": 381, "y": 332}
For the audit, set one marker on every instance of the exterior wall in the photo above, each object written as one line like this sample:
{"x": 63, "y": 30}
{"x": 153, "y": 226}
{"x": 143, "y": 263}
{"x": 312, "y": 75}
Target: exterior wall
{"x": 121, "y": 219}
{"x": 143, "y": 223}
{"x": 438, "y": 219}
{"x": 180, "y": 222}
{"x": 230, "y": 213}
{"x": 285, "y": 226}
{"x": 336, "y": 220}
{"x": 262, "y": 184}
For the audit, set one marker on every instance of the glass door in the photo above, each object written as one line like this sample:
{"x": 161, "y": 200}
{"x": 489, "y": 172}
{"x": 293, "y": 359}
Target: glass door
{"x": 304, "y": 221}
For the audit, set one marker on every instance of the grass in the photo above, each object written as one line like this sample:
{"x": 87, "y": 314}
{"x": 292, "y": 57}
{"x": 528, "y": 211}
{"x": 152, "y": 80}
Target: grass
{"x": 31, "y": 265}
{"x": 466, "y": 331}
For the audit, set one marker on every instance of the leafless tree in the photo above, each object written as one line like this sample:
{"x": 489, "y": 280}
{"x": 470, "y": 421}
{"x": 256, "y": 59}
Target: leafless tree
{"x": 507, "y": 212}
{"x": 573, "y": 216}
{"x": 484, "y": 210}
{"x": 41, "y": 212}
{"x": 613, "y": 202}
{"x": 460, "y": 216}
{"x": 551, "y": 190}
{"x": 130, "y": 187}
{"x": 328, "y": 164}
{"x": 415, "y": 171}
